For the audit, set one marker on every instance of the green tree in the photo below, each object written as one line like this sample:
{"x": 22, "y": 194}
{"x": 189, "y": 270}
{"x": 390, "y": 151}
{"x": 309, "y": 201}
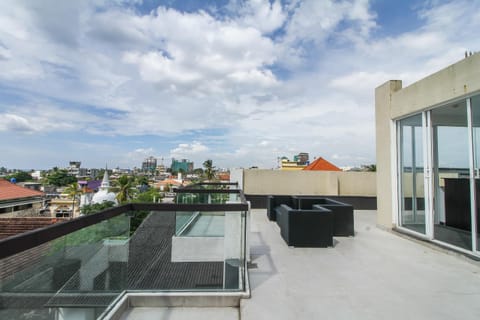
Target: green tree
{"x": 125, "y": 188}
{"x": 20, "y": 176}
{"x": 198, "y": 171}
{"x": 96, "y": 207}
{"x": 151, "y": 195}
{"x": 73, "y": 190}
{"x": 209, "y": 169}
{"x": 142, "y": 180}
{"x": 60, "y": 178}
{"x": 99, "y": 174}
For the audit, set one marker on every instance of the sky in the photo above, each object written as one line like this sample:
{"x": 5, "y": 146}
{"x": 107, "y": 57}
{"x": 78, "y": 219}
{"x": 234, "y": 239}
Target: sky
{"x": 239, "y": 82}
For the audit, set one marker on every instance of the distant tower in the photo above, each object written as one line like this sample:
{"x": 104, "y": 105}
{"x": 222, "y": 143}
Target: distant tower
{"x": 149, "y": 164}
{"x": 103, "y": 194}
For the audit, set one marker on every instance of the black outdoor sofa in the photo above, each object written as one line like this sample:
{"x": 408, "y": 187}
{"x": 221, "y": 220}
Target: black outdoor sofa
{"x": 310, "y": 221}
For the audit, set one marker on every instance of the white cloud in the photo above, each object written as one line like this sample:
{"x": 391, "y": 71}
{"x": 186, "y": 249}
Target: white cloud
{"x": 186, "y": 150}
{"x": 317, "y": 20}
{"x": 262, "y": 15}
{"x": 15, "y": 123}
{"x": 274, "y": 78}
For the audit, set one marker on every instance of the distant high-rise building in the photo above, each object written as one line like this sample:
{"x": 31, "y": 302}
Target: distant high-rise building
{"x": 181, "y": 165}
{"x": 149, "y": 164}
{"x": 74, "y": 168}
{"x": 161, "y": 168}
{"x": 75, "y": 164}
{"x": 301, "y": 158}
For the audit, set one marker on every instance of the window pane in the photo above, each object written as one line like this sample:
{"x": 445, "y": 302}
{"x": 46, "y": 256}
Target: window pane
{"x": 452, "y": 220}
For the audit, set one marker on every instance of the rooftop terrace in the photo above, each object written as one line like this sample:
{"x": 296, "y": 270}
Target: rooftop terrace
{"x": 155, "y": 274}
{"x": 375, "y": 275}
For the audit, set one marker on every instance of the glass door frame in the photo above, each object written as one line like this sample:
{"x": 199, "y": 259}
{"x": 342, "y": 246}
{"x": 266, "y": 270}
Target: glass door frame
{"x": 471, "y": 156}
{"x": 399, "y": 183}
{"x": 428, "y": 173}
{"x": 429, "y": 176}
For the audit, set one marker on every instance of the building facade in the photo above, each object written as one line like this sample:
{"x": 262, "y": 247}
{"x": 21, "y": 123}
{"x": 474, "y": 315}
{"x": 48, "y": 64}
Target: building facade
{"x": 428, "y": 156}
{"x": 149, "y": 164}
{"x": 181, "y": 165}
{"x": 17, "y": 201}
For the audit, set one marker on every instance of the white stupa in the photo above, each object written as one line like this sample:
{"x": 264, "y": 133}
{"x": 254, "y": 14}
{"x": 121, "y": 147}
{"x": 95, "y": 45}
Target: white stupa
{"x": 103, "y": 195}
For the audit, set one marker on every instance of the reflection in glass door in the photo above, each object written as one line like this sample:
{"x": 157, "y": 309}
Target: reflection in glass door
{"x": 412, "y": 198}
{"x": 475, "y": 104}
{"x": 452, "y": 213}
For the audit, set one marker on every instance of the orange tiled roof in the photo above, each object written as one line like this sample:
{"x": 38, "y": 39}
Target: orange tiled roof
{"x": 168, "y": 181}
{"x": 322, "y": 165}
{"x": 10, "y": 191}
{"x": 223, "y": 176}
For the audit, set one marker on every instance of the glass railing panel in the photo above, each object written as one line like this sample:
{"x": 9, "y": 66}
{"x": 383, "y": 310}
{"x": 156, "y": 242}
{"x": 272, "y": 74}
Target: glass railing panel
{"x": 84, "y": 271}
{"x": 202, "y": 224}
{"x": 234, "y": 250}
{"x": 66, "y": 273}
{"x": 187, "y": 198}
{"x": 207, "y": 198}
{"x": 183, "y": 219}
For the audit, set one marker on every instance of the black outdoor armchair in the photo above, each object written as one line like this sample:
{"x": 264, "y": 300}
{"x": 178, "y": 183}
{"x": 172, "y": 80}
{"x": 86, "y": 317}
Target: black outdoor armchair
{"x": 305, "y": 228}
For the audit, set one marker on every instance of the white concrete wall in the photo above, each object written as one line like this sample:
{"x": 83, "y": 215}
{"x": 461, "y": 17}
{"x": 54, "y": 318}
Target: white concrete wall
{"x": 236, "y": 175}
{"x": 455, "y": 81}
{"x": 263, "y": 182}
{"x": 357, "y": 184}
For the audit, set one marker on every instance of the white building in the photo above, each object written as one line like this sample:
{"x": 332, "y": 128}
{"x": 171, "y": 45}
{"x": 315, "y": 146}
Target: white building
{"x": 104, "y": 194}
{"x": 428, "y": 156}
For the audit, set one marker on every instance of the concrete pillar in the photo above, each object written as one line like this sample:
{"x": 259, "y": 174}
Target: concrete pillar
{"x": 385, "y": 151}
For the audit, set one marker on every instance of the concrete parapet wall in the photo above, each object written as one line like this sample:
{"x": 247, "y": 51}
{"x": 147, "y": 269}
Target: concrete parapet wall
{"x": 455, "y": 81}
{"x": 357, "y": 184}
{"x": 325, "y": 183}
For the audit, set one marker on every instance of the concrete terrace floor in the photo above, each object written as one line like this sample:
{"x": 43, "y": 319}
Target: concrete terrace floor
{"x": 375, "y": 275}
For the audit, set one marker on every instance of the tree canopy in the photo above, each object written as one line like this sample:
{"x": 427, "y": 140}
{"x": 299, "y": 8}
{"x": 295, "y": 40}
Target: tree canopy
{"x": 96, "y": 207}
{"x": 209, "y": 169}
{"x": 125, "y": 186}
{"x": 60, "y": 178}
{"x": 20, "y": 176}
{"x": 151, "y": 195}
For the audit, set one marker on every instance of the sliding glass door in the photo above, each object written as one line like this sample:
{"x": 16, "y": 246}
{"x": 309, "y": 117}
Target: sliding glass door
{"x": 452, "y": 202}
{"x": 439, "y": 173}
{"x": 412, "y": 194}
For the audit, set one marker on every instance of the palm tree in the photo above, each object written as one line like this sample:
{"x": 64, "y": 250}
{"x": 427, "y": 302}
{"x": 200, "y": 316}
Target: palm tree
{"x": 209, "y": 173}
{"x": 73, "y": 190}
{"x": 125, "y": 184}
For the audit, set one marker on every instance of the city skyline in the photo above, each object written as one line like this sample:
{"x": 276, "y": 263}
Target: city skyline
{"x": 238, "y": 82}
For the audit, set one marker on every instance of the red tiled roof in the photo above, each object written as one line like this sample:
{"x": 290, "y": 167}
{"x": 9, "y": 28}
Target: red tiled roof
{"x": 12, "y": 226}
{"x": 322, "y": 165}
{"x": 10, "y": 191}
